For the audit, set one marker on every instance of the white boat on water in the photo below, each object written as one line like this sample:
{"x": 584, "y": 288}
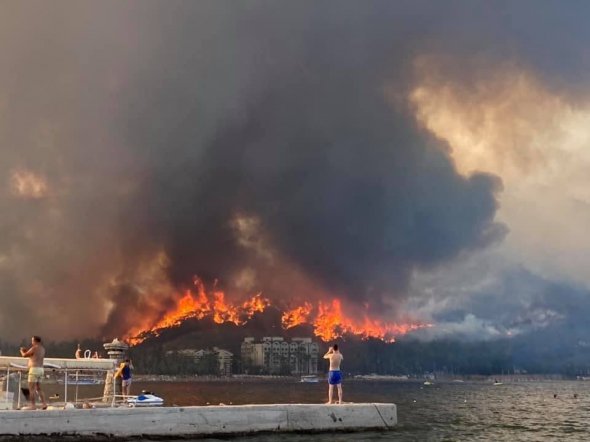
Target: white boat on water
{"x": 145, "y": 400}
{"x": 313, "y": 379}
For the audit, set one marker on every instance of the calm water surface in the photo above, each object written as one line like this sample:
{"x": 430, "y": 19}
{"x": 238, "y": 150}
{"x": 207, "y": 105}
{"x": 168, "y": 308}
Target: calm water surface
{"x": 525, "y": 411}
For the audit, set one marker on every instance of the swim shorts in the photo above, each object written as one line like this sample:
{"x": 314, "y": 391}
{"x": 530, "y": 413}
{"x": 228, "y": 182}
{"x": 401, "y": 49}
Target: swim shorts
{"x": 334, "y": 377}
{"x": 36, "y": 374}
{"x": 126, "y": 382}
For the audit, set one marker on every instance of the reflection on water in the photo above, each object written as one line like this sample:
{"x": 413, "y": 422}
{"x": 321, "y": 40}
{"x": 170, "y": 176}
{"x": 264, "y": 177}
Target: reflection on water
{"x": 447, "y": 411}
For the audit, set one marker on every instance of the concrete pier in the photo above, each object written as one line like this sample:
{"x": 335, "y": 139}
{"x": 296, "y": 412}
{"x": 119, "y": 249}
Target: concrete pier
{"x": 197, "y": 421}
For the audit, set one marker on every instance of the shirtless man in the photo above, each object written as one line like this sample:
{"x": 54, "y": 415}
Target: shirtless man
{"x": 334, "y": 377}
{"x": 36, "y": 354}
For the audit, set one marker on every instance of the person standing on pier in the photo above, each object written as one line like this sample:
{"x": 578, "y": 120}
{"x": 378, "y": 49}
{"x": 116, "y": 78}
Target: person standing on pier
{"x": 334, "y": 376}
{"x": 36, "y": 355}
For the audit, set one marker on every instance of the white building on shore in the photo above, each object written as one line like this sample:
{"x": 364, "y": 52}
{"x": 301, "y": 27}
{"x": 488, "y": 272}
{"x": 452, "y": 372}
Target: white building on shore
{"x": 274, "y": 354}
{"x": 224, "y": 358}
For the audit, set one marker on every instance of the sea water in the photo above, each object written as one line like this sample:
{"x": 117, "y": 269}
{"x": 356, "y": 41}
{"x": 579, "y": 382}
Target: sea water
{"x": 444, "y": 411}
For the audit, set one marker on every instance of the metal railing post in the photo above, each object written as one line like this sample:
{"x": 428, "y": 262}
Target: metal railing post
{"x": 20, "y": 380}
{"x": 77, "y": 371}
{"x": 66, "y": 387}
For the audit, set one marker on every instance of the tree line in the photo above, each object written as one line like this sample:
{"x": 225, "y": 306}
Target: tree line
{"x": 405, "y": 357}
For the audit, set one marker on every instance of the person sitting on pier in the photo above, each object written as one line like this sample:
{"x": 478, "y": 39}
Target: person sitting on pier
{"x": 124, "y": 372}
{"x": 36, "y": 355}
{"x": 334, "y": 376}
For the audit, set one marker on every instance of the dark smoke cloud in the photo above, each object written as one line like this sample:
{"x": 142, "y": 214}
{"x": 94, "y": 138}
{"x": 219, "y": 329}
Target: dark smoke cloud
{"x": 63, "y": 66}
{"x": 345, "y": 187}
{"x": 156, "y": 124}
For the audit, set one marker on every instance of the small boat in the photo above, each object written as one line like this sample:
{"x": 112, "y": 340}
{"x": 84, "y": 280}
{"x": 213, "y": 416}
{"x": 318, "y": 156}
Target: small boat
{"x": 145, "y": 400}
{"x": 82, "y": 380}
{"x": 498, "y": 383}
{"x": 310, "y": 379}
{"x": 427, "y": 383}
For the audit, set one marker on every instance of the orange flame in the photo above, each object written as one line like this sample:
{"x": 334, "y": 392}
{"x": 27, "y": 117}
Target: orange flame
{"x": 329, "y": 321}
{"x": 256, "y": 304}
{"x": 199, "y": 305}
{"x": 297, "y": 316}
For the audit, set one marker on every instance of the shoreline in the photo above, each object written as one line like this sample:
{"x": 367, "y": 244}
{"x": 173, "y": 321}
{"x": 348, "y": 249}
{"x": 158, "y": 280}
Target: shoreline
{"x": 356, "y": 378}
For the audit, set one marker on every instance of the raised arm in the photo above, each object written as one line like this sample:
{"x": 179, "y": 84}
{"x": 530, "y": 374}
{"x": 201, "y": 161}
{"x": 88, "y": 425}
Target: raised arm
{"x": 27, "y": 353}
{"x": 119, "y": 371}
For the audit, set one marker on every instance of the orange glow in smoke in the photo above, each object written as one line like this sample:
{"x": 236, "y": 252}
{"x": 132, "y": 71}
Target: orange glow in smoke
{"x": 327, "y": 318}
{"x": 26, "y": 184}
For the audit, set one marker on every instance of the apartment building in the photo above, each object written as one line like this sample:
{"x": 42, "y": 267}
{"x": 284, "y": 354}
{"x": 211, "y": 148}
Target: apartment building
{"x": 224, "y": 358}
{"x": 274, "y": 354}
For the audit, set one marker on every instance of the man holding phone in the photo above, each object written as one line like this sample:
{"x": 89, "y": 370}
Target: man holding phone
{"x": 334, "y": 376}
{"x": 36, "y": 355}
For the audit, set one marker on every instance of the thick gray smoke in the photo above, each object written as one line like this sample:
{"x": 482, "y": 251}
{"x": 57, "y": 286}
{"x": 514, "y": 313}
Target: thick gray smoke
{"x": 135, "y": 131}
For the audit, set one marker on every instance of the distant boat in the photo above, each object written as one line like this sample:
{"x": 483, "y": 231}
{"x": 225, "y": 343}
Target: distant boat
{"x": 498, "y": 383}
{"x": 380, "y": 377}
{"x": 427, "y": 383}
{"x": 313, "y": 379}
{"x": 85, "y": 382}
{"x": 82, "y": 380}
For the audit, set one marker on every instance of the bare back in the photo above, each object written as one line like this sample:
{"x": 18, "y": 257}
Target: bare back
{"x": 335, "y": 360}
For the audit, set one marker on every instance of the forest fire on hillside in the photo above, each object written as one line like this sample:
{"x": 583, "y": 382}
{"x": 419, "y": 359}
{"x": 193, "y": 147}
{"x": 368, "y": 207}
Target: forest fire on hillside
{"x": 330, "y": 322}
{"x": 326, "y": 317}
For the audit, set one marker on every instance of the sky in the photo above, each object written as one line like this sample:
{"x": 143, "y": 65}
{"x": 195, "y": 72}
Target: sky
{"x": 422, "y": 160}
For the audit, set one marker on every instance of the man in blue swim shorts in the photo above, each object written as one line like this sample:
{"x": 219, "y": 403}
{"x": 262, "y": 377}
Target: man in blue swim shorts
{"x": 335, "y": 375}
